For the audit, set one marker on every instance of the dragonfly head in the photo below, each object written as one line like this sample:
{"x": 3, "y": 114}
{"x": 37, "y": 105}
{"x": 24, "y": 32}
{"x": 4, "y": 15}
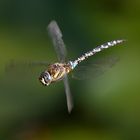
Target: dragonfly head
{"x": 45, "y": 78}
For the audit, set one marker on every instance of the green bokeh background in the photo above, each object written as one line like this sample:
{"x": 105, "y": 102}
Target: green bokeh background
{"x": 105, "y": 108}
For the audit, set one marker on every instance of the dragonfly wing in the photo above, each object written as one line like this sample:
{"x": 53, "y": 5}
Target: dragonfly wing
{"x": 94, "y": 69}
{"x": 58, "y": 43}
{"x": 68, "y": 94}
{"x": 28, "y": 65}
{"x": 24, "y": 69}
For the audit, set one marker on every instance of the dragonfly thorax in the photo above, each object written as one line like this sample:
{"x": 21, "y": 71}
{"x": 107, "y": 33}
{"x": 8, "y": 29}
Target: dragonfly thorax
{"x": 55, "y": 72}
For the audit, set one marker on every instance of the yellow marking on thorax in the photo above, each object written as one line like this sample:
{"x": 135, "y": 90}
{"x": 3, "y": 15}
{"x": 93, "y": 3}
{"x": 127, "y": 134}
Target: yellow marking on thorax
{"x": 56, "y": 74}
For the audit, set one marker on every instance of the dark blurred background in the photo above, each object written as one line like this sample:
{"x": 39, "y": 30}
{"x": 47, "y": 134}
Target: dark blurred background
{"x": 106, "y": 107}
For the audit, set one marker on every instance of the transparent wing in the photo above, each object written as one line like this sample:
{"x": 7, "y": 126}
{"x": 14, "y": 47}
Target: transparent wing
{"x": 56, "y": 36}
{"x": 95, "y": 69}
{"x": 16, "y": 65}
{"x": 68, "y": 94}
{"x": 58, "y": 43}
{"x": 24, "y": 69}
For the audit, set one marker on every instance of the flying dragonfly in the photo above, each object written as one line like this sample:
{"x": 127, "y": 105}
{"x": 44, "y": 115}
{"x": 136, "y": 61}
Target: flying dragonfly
{"x": 59, "y": 70}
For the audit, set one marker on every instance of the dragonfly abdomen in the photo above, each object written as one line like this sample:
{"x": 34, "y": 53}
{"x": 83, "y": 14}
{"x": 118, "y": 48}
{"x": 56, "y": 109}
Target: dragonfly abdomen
{"x": 94, "y": 51}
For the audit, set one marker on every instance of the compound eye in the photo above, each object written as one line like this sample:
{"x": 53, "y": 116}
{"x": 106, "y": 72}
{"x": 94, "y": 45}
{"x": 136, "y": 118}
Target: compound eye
{"x": 46, "y": 77}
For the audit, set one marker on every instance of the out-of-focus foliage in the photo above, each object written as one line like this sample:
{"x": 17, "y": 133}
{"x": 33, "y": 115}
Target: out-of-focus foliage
{"x": 106, "y": 108}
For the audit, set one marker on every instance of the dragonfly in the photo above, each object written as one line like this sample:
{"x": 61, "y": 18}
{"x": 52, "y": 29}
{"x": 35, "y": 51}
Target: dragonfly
{"x": 58, "y": 71}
